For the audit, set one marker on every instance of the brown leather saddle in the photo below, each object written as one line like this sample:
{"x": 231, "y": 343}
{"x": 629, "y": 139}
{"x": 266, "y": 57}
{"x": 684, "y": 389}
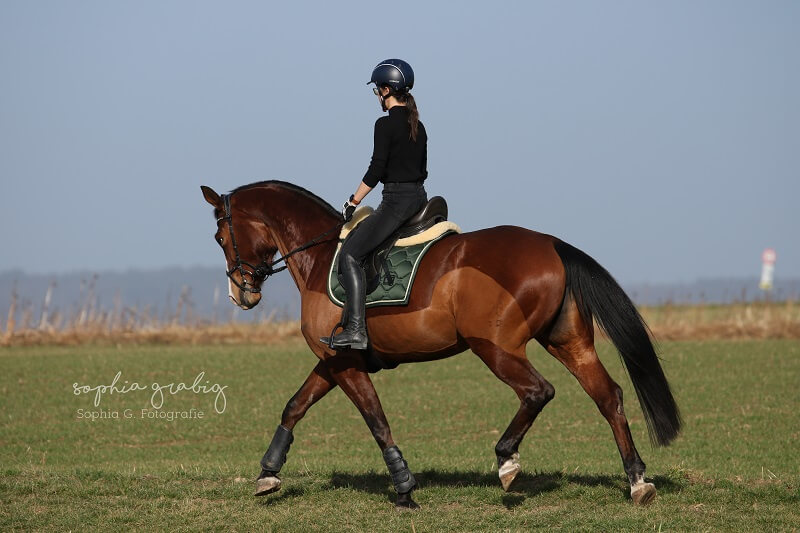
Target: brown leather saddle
{"x": 433, "y": 212}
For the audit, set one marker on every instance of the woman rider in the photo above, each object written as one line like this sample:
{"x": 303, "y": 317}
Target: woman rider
{"x": 399, "y": 161}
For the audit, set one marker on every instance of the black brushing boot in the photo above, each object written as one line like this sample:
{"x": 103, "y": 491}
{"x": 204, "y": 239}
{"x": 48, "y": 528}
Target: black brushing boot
{"x": 354, "y": 334}
{"x": 403, "y": 479}
{"x": 272, "y": 462}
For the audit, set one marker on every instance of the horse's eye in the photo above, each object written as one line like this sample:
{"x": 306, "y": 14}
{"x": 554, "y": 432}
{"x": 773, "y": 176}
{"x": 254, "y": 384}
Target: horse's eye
{"x": 220, "y": 241}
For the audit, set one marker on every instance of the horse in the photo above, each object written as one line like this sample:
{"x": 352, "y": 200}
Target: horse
{"x": 489, "y": 291}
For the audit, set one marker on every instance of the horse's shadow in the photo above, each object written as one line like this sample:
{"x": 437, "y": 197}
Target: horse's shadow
{"x": 524, "y": 486}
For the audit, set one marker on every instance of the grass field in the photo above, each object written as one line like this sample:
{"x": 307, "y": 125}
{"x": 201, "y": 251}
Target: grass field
{"x": 735, "y": 467}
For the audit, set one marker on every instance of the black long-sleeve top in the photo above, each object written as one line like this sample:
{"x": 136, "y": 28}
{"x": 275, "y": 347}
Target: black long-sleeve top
{"x": 396, "y": 158}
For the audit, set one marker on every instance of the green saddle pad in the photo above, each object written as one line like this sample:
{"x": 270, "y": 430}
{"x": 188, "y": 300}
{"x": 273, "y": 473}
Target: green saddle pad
{"x": 394, "y": 289}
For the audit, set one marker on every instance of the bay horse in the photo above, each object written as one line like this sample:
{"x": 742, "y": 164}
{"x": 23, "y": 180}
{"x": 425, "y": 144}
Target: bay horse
{"x": 489, "y": 291}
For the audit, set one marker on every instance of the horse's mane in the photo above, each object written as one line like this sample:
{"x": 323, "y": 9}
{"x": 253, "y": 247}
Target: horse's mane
{"x": 292, "y": 187}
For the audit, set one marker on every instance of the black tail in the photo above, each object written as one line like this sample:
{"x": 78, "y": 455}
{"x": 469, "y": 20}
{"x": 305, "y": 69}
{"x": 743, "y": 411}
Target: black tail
{"x": 598, "y": 295}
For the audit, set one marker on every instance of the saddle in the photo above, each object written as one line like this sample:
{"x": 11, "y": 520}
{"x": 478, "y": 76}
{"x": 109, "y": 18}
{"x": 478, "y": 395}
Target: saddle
{"x": 432, "y": 213}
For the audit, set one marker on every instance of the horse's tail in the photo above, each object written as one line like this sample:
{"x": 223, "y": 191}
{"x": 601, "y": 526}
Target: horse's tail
{"x": 598, "y": 295}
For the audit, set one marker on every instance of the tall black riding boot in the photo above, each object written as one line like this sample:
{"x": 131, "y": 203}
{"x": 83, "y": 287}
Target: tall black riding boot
{"x": 354, "y": 334}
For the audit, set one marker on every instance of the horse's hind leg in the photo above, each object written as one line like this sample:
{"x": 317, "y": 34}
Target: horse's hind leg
{"x": 572, "y": 343}
{"x": 533, "y": 391}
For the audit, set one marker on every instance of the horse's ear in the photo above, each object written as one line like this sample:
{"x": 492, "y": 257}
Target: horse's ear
{"x": 211, "y": 196}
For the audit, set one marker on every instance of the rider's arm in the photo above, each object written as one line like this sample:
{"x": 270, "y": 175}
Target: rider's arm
{"x": 363, "y": 190}
{"x": 380, "y": 157}
{"x": 380, "y": 154}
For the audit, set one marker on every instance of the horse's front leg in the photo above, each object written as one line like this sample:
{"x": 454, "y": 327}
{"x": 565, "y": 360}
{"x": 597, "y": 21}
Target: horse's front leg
{"x": 317, "y": 385}
{"x": 350, "y": 373}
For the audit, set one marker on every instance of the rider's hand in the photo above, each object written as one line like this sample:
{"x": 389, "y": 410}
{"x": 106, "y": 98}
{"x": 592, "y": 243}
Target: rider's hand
{"x": 348, "y": 209}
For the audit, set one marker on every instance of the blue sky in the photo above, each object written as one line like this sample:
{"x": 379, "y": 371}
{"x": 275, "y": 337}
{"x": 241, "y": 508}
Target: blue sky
{"x": 663, "y": 138}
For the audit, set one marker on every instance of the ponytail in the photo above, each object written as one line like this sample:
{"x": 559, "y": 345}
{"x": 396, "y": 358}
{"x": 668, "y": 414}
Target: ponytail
{"x": 413, "y": 115}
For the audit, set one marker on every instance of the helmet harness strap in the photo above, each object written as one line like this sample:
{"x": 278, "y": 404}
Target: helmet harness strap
{"x": 392, "y": 92}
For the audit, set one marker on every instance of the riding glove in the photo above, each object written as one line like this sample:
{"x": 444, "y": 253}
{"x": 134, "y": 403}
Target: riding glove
{"x": 348, "y": 209}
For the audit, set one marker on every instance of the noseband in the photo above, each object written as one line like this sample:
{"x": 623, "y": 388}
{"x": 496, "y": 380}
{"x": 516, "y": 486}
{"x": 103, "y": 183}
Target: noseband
{"x": 264, "y": 269}
{"x": 259, "y": 272}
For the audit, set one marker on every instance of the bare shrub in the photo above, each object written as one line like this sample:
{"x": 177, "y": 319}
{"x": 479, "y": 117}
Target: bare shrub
{"x": 88, "y": 323}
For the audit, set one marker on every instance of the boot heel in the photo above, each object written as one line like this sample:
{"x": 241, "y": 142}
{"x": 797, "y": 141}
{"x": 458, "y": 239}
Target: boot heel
{"x": 353, "y": 345}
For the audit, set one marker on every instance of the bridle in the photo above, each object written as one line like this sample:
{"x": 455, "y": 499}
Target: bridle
{"x": 264, "y": 269}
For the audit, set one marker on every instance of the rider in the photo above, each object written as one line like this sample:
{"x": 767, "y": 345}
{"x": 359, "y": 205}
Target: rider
{"x": 399, "y": 161}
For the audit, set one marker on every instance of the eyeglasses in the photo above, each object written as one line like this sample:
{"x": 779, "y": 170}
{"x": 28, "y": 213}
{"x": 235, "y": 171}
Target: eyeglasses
{"x": 376, "y": 91}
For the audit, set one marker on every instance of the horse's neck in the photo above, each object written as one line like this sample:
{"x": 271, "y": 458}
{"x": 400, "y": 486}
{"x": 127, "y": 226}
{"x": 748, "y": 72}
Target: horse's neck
{"x": 294, "y": 221}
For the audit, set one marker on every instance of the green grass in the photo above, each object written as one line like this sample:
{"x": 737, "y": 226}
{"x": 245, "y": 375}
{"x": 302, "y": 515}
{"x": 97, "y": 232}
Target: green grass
{"x": 735, "y": 467}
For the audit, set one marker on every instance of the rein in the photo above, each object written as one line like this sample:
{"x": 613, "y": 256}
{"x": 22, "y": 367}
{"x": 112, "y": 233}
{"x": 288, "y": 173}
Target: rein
{"x": 264, "y": 269}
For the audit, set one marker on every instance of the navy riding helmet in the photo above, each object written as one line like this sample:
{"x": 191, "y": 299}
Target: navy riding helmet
{"x": 394, "y": 73}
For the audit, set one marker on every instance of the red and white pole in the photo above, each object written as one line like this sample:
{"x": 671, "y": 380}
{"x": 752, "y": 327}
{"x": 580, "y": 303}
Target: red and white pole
{"x": 767, "y": 269}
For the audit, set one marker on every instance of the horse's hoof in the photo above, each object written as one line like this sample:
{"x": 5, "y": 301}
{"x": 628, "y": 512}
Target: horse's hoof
{"x": 643, "y": 493}
{"x": 508, "y": 471}
{"x": 267, "y": 485}
{"x": 405, "y": 503}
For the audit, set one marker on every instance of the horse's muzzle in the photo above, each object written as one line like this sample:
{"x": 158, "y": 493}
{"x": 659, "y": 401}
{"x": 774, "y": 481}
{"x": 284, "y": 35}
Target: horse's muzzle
{"x": 246, "y": 300}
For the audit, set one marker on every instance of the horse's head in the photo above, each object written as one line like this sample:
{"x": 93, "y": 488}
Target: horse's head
{"x": 248, "y": 246}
